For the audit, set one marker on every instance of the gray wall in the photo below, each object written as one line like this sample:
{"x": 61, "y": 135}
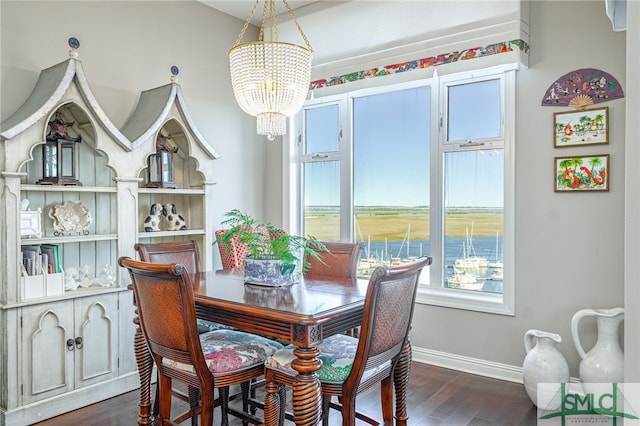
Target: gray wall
{"x": 569, "y": 246}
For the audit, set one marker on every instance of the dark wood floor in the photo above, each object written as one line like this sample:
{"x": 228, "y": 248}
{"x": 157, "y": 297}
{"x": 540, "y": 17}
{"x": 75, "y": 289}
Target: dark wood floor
{"x": 437, "y": 396}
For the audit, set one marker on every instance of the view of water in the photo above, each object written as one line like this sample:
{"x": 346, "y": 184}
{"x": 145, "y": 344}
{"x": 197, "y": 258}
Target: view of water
{"x": 483, "y": 246}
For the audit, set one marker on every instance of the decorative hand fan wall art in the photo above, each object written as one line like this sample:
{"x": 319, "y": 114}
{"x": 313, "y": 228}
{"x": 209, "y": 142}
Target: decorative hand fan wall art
{"x": 581, "y": 88}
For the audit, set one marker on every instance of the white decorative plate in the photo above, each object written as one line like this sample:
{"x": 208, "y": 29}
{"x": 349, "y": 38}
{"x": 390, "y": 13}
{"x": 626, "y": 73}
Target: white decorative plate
{"x": 70, "y": 217}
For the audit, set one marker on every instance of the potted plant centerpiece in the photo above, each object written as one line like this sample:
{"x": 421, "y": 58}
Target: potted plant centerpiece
{"x": 274, "y": 257}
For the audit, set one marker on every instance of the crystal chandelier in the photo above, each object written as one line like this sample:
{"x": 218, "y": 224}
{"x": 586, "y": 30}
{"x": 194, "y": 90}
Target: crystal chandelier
{"x": 270, "y": 79}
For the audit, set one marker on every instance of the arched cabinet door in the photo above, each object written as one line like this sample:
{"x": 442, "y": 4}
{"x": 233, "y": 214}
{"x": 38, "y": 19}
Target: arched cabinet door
{"x": 68, "y": 345}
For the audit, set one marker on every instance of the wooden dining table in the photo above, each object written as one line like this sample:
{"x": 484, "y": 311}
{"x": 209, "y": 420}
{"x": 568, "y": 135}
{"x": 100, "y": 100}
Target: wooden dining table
{"x": 303, "y": 313}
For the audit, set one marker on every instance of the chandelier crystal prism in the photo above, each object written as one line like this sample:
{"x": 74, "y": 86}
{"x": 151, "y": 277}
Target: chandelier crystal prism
{"x": 270, "y": 79}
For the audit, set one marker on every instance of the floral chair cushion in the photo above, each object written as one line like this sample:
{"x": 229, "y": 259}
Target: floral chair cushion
{"x": 205, "y": 326}
{"x": 231, "y": 350}
{"x": 336, "y": 353}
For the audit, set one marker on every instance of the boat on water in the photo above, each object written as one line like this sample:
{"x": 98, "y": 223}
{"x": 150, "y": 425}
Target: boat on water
{"x": 470, "y": 261}
{"x": 496, "y": 275}
{"x": 464, "y": 280}
{"x": 497, "y": 262}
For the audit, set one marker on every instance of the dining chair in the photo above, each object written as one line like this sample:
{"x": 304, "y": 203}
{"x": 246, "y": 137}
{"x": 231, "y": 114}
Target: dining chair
{"x": 232, "y": 254}
{"x": 381, "y": 354}
{"x": 209, "y": 361}
{"x": 186, "y": 253}
{"x": 340, "y": 261}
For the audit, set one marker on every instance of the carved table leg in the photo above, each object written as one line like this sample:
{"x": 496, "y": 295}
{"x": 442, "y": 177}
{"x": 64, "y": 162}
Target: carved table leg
{"x": 400, "y": 382}
{"x": 306, "y": 388}
{"x": 145, "y": 369}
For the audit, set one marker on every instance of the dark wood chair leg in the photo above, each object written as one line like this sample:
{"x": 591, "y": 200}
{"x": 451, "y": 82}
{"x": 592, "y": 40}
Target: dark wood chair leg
{"x": 282, "y": 393}
{"x": 194, "y": 403}
{"x": 145, "y": 369}
{"x": 272, "y": 406}
{"x": 401, "y": 381}
{"x": 326, "y": 405}
{"x": 223, "y": 395}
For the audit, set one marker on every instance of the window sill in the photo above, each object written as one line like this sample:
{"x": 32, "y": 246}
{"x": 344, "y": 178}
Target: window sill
{"x": 492, "y": 303}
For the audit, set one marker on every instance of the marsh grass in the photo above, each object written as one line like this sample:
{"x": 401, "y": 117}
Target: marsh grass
{"x": 392, "y": 224}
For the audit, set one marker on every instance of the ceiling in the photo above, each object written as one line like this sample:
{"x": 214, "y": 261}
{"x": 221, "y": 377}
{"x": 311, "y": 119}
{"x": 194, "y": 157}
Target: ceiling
{"x": 241, "y": 8}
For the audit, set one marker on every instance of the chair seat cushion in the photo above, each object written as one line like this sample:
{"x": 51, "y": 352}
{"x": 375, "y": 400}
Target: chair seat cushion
{"x": 231, "y": 350}
{"x": 205, "y": 326}
{"x": 336, "y": 353}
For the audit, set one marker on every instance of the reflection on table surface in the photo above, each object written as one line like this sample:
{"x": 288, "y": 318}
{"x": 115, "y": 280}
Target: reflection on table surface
{"x": 306, "y": 297}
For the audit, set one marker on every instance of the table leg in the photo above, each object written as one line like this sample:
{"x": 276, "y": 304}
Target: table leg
{"x": 401, "y": 382}
{"x": 145, "y": 370}
{"x": 306, "y": 388}
{"x": 306, "y": 400}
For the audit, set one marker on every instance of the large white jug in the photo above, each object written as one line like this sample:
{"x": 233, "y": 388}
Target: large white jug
{"x": 604, "y": 363}
{"x": 543, "y": 364}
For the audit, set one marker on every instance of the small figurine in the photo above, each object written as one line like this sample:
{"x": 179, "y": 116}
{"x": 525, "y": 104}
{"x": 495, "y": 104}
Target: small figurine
{"x": 59, "y": 128}
{"x": 105, "y": 277}
{"x": 176, "y": 222}
{"x": 85, "y": 278}
{"x": 71, "y": 279}
{"x": 152, "y": 222}
{"x": 164, "y": 143}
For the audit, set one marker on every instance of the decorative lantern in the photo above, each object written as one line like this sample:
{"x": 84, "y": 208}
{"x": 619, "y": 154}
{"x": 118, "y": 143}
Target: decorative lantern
{"x": 59, "y": 154}
{"x": 160, "y": 164}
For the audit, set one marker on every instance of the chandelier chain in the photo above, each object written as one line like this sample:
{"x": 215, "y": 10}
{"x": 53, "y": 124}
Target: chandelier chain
{"x": 273, "y": 22}
{"x": 270, "y": 5}
{"x": 246, "y": 23}
{"x": 304, "y": 36}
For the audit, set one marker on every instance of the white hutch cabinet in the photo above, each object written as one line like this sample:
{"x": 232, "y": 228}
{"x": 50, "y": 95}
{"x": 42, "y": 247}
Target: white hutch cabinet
{"x": 64, "y": 349}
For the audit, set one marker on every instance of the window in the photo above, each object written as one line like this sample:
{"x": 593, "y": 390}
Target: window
{"x": 415, "y": 169}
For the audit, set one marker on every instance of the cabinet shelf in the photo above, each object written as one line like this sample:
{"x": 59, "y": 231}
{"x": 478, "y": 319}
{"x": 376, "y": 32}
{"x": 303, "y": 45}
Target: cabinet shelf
{"x": 162, "y": 234}
{"x": 71, "y": 294}
{"x": 58, "y": 188}
{"x": 178, "y": 191}
{"x": 70, "y": 239}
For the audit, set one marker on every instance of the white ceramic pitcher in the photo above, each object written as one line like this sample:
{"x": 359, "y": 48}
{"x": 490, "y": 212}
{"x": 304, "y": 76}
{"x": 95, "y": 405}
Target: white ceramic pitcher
{"x": 604, "y": 363}
{"x": 544, "y": 363}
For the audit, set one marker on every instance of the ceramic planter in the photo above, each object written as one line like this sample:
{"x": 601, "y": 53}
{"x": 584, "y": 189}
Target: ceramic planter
{"x": 268, "y": 272}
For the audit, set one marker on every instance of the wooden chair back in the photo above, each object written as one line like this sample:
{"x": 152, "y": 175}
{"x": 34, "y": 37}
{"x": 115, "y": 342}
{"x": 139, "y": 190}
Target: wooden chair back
{"x": 388, "y": 312}
{"x": 186, "y": 253}
{"x": 166, "y": 310}
{"x": 340, "y": 262}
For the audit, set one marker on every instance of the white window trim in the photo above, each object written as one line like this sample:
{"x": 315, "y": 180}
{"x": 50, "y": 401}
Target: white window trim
{"x": 503, "y": 304}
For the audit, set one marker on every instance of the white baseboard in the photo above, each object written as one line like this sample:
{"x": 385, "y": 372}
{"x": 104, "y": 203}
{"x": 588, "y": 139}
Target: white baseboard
{"x": 481, "y": 367}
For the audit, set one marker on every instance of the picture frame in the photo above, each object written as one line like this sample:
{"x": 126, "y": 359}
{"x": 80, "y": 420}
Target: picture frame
{"x": 581, "y": 127}
{"x": 592, "y": 173}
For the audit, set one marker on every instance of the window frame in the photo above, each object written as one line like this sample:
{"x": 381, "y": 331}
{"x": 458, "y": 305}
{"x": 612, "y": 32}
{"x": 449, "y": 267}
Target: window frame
{"x": 495, "y": 303}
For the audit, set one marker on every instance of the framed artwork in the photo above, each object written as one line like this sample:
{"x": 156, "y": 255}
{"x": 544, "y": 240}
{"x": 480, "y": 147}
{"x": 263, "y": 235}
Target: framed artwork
{"x": 581, "y": 173}
{"x": 585, "y": 127}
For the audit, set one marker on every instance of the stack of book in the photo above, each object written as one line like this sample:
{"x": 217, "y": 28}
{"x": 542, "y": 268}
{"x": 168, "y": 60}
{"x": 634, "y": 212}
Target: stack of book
{"x": 40, "y": 259}
{"x": 41, "y": 271}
